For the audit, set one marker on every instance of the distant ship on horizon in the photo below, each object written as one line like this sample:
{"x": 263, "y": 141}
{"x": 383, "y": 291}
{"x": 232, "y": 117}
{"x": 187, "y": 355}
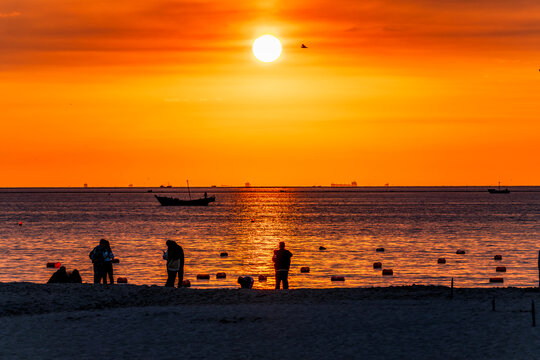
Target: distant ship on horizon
{"x": 353, "y": 184}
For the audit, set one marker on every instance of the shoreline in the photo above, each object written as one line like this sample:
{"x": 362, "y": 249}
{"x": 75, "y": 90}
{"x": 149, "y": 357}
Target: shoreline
{"x": 22, "y": 298}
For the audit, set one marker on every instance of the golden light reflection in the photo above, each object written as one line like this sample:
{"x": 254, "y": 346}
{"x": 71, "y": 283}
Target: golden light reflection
{"x": 260, "y": 219}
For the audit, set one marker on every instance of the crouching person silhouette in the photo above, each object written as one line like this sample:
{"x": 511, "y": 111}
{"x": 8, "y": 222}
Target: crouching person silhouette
{"x": 246, "y": 282}
{"x": 60, "y": 276}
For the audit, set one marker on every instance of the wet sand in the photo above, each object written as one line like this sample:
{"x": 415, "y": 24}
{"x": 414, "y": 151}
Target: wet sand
{"x": 73, "y": 321}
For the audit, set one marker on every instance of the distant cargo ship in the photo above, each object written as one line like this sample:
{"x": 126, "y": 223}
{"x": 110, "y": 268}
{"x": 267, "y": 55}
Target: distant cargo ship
{"x": 353, "y": 184}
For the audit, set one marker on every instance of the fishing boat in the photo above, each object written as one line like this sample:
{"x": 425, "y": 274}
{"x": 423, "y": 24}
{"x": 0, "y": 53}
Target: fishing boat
{"x": 499, "y": 190}
{"x": 170, "y": 201}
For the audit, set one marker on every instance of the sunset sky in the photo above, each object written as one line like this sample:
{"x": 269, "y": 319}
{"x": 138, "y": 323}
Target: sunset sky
{"x": 150, "y": 92}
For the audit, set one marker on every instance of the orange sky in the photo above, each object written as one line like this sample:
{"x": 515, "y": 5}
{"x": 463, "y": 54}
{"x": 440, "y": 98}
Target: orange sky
{"x": 151, "y": 92}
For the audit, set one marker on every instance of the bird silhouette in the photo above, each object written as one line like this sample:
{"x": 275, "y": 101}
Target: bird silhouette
{"x": 304, "y": 46}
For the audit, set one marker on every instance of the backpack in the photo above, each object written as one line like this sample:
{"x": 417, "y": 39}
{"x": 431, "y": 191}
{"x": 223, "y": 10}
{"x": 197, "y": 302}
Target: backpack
{"x": 97, "y": 255}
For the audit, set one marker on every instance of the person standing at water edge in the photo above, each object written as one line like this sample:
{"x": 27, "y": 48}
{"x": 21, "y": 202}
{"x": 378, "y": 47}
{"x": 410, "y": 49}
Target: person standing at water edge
{"x": 175, "y": 263}
{"x": 108, "y": 257}
{"x": 282, "y": 263}
{"x": 98, "y": 260}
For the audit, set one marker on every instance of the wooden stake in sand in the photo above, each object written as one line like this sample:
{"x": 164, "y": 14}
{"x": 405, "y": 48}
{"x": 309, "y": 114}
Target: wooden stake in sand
{"x": 452, "y": 289}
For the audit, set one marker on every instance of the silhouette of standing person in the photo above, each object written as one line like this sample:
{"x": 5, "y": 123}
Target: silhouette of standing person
{"x": 98, "y": 260}
{"x": 175, "y": 263}
{"x": 282, "y": 263}
{"x": 108, "y": 257}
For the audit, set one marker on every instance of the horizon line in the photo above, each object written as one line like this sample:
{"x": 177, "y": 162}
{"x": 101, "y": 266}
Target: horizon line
{"x": 341, "y": 186}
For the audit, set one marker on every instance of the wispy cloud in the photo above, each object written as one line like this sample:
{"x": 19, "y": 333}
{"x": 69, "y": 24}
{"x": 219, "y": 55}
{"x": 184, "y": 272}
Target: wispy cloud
{"x": 198, "y": 30}
{"x": 10, "y": 14}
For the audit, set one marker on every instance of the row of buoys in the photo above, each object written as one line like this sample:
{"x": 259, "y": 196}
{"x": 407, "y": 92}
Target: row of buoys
{"x": 222, "y": 275}
{"x": 443, "y": 260}
{"x": 498, "y": 280}
{"x": 304, "y": 269}
{"x": 378, "y": 264}
{"x": 58, "y": 264}
{"x": 459, "y": 252}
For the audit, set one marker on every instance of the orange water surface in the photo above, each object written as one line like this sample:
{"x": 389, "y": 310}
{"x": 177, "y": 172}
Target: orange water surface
{"x": 416, "y": 226}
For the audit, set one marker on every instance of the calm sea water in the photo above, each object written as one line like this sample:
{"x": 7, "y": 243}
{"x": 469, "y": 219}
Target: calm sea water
{"x": 416, "y": 226}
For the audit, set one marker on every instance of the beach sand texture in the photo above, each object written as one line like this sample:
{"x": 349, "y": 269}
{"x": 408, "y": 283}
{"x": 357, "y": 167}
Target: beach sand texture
{"x": 70, "y": 321}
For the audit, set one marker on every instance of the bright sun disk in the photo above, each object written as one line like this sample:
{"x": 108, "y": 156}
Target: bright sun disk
{"x": 267, "y": 48}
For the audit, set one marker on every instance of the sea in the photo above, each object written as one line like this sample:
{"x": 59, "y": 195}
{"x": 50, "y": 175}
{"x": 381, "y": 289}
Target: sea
{"x": 415, "y": 225}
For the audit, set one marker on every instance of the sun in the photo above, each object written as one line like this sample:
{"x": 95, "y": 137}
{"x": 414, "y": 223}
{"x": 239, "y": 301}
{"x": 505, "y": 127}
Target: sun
{"x": 267, "y": 48}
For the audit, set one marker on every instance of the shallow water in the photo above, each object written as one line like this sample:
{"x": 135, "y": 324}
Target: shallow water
{"x": 416, "y": 226}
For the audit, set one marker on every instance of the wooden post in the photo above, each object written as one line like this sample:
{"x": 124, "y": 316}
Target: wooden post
{"x": 493, "y": 304}
{"x": 533, "y": 314}
{"x": 452, "y": 289}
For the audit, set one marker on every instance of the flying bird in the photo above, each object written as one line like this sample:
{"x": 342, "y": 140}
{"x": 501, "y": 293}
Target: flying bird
{"x": 304, "y": 46}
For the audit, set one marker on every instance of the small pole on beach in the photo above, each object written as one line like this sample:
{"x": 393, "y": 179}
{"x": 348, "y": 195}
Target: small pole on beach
{"x": 452, "y": 289}
{"x": 533, "y": 314}
{"x": 493, "y": 304}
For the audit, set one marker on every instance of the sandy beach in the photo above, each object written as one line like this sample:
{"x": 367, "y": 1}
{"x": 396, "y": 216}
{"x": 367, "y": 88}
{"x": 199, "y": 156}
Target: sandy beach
{"x": 71, "y": 321}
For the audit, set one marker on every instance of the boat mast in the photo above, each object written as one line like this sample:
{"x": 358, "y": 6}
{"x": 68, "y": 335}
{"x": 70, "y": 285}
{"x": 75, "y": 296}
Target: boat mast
{"x": 189, "y": 192}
